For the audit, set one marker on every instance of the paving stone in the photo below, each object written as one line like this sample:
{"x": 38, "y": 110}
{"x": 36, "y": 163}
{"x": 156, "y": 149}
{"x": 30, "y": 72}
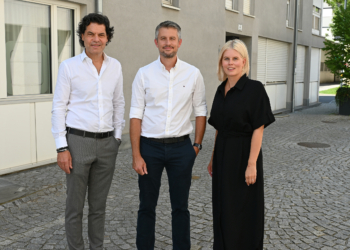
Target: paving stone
{"x": 307, "y": 197}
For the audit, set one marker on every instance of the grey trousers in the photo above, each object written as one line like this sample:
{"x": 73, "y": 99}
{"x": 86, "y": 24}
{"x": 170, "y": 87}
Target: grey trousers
{"x": 93, "y": 162}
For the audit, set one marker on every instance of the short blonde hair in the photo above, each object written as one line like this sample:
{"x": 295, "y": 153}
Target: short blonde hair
{"x": 240, "y": 47}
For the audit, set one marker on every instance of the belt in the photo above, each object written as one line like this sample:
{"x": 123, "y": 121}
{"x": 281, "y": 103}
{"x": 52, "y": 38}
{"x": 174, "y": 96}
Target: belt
{"x": 168, "y": 140}
{"x": 83, "y": 133}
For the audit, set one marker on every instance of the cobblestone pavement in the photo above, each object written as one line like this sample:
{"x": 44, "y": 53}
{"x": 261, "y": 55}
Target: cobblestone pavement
{"x": 307, "y": 193}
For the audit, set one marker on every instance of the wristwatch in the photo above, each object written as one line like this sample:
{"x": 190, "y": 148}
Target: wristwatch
{"x": 199, "y": 146}
{"x": 60, "y": 150}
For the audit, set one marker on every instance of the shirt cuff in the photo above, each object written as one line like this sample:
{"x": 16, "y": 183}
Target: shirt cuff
{"x": 118, "y": 134}
{"x": 61, "y": 142}
{"x": 200, "y": 111}
{"x": 136, "y": 113}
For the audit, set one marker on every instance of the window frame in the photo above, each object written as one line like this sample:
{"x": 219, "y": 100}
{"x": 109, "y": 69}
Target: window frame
{"x": 314, "y": 16}
{"x": 288, "y": 13}
{"x": 291, "y": 14}
{"x": 54, "y": 4}
{"x": 250, "y": 8}
{"x": 234, "y": 6}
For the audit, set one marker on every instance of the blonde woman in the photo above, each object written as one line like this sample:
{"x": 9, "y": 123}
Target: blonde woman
{"x": 240, "y": 112}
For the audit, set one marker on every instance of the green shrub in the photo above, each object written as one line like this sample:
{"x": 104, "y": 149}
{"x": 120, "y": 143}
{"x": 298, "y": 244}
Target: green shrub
{"x": 342, "y": 95}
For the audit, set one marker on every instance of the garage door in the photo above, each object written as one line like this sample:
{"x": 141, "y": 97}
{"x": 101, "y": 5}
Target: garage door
{"x": 299, "y": 81}
{"x": 272, "y": 70}
{"x": 314, "y": 74}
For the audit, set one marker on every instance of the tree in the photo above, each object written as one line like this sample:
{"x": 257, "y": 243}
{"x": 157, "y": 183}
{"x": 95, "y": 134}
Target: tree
{"x": 335, "y": 3}
{"x": 338, "y": 51}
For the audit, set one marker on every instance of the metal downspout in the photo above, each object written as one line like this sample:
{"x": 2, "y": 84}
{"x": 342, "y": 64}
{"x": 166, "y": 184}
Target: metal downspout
{"x": 295, "y": 49}
{"x": 98, "y": 6}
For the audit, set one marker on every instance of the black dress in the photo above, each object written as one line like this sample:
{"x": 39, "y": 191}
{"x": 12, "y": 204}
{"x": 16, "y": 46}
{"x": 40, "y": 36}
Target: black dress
{"x": 238, "y": 210}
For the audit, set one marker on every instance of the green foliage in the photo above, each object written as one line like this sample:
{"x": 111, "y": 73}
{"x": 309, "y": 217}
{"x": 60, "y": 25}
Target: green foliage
{"x": 338, "y": 51}
{"x": 334, "y": 3}
{"x": 342, "y": 95}
{"x": 331, "y": 91}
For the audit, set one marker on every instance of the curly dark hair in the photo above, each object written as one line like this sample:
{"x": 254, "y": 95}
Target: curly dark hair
{"x": 94, "y": 18}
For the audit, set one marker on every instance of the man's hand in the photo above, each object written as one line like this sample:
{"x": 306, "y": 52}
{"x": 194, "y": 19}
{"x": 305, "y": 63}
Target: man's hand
{"x": 196, "y": 150}
{"x": 64, "y": 161}
{"x": 139, "y": 165}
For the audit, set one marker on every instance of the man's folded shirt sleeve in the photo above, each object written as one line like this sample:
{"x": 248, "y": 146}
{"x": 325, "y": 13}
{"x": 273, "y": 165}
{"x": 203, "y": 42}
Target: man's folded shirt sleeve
{"x": 137, "y": 97}
{"x": 199, "y": 100}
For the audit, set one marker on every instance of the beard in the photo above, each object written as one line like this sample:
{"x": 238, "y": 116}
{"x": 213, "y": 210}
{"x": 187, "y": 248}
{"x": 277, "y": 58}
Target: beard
{"x": 170, "y": 55}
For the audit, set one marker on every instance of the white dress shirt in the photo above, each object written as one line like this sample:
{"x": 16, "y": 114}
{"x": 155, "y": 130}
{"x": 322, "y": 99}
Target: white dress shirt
{"x": 86, "y": 100}
{"x": 163, "y": 100}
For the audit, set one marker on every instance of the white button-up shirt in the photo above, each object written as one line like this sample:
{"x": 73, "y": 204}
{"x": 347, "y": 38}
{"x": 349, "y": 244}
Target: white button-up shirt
{"x": 86, "y": 100}
{"x": 163, "y": 100}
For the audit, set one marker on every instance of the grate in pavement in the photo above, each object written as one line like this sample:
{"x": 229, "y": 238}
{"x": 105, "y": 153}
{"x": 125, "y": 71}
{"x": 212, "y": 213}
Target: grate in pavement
{"x": 314, "y": 145}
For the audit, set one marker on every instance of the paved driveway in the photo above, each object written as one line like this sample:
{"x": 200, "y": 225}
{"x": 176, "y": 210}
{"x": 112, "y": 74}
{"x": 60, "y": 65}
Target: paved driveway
{"x": 307, "y": 193}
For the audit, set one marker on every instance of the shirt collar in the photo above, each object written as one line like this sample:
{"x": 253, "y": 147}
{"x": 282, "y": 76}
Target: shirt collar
{"x": 239, "y": 85}
{"x": 83, "y": 56}
{"x": 161, "y": 65}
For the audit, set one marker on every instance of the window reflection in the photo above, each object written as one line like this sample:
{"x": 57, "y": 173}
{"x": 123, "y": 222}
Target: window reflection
{"x": 27, "y": 38}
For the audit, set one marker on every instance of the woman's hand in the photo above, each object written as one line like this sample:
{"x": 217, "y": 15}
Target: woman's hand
{"x": 210, "y": 168}
{"x": 250, "y": 174}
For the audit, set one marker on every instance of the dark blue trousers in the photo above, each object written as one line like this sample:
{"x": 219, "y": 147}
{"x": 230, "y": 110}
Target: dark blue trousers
{"x": 178, "y": 159}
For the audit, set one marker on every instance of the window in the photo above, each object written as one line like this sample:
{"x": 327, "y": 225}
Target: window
{"x": 324, "y": 67}
{"x": 231, "y": 4}
{"x": 327, "y": 16}
{"x": 291, "y": 13}
{"x": 316, "y": 19}
{"x": 36, "y": 43}
{"x": 247, "y": 7}
{"x": 173, "y": 4}
{"x": 300, "y": 15}
{"x": 168, "y": 2}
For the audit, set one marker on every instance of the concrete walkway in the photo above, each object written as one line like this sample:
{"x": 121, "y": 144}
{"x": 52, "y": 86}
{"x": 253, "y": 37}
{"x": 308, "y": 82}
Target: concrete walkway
{"x": 307, "y": 193}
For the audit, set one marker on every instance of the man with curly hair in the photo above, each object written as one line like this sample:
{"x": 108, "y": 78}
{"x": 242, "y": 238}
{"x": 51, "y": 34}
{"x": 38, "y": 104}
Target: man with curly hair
{"x": 87, "y": 122}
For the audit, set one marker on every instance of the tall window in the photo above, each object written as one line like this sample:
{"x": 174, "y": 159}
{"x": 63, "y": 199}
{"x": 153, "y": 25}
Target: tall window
{"x": 300, "y": 22}
{"x": 247, "y": 7}
{"x": 65, "y": 34}
{"x": 316, "y": 18}
{"x": 31, "y": 52}
{"x": 291, "y": 13}
{"x": 231, "y": 4}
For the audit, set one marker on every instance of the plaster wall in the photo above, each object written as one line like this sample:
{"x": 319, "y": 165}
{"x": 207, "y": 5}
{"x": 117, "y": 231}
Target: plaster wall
{"x": 133, "y": 44}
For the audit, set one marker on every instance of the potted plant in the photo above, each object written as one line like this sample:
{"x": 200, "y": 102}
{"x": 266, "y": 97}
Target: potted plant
{"x": 342, "y": 99}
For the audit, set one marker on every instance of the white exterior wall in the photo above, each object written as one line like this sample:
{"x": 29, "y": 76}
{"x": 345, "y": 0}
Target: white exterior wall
{"x": 26, "y": 139}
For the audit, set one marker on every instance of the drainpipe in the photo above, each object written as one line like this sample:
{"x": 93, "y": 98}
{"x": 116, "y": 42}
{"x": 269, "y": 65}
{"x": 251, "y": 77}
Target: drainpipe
{"x": 295, "y": 49}
{"x": 98, "y": 6}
